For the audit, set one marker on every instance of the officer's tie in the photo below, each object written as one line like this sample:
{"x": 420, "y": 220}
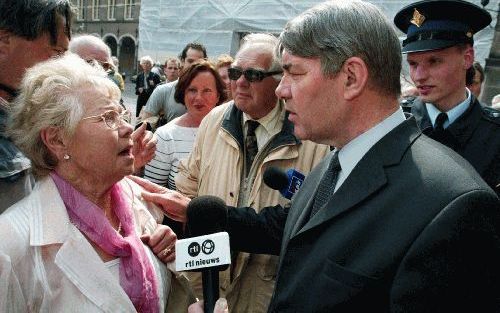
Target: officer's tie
{"x": 251, "y": 147}
{"x": 327, "y": 185}
{"x": 440, "y": 120}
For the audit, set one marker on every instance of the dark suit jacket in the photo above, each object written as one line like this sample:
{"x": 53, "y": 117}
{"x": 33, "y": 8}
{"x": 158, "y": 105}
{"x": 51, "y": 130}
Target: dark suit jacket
{"x": 475, "y": 135}
{"x": 152, "y": 81}
{"x": 412, "y": 229}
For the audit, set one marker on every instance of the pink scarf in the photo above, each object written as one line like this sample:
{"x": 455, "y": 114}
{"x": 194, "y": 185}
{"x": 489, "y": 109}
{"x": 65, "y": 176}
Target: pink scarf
{"x": 137, "y": 276}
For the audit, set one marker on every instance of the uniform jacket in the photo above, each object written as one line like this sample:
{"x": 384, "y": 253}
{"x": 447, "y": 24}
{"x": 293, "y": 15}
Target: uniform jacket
{"x": 413, "y": 228}
{"x": 47, "y": 265}
{"x": 475, "y": 136}
{"x": 215, "y": 168}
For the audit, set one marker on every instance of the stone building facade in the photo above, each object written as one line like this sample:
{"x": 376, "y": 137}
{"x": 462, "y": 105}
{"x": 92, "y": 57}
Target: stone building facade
{"x": 116, "y": 22}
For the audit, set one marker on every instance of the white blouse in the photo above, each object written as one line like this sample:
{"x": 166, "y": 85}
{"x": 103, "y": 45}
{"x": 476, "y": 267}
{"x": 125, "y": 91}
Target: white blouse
{"x": 47, "y": 265}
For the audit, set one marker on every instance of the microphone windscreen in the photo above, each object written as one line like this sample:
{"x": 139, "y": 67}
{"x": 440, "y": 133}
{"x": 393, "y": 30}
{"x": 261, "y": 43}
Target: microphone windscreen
{"x": 276, "y": 178}
{"x": 206, "y": 215}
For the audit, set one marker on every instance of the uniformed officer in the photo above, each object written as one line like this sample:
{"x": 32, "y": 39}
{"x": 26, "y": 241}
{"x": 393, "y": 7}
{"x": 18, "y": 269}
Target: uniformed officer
{"x": 439, "y": 50}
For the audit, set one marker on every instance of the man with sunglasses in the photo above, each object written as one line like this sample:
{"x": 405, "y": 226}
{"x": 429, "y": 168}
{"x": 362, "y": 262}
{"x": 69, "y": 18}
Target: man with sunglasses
{"x": 236, "y": 142}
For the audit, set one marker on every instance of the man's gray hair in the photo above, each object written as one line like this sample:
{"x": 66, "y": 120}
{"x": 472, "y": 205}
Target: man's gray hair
{"x": 86, "y": 40}
{"x": 337, "y": 30}
{"x": 52, "y": 94}
{"x": 266, "y": 43}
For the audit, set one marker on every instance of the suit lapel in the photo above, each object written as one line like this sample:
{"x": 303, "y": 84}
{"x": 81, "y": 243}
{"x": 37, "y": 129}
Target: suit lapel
{"x": 357, "y": 187}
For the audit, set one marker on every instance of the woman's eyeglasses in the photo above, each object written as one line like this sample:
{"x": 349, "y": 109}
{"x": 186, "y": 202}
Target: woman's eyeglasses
{"x": 250, "y": 74}
{"x": 112, "y": 119}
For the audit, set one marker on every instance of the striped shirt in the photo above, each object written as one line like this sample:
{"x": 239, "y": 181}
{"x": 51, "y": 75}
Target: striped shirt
{"x": 174, "y": 144}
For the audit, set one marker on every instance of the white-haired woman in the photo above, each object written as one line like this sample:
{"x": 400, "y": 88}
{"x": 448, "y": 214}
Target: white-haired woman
{"x": 74, "y": 244}
{"x": 145, "y": 84}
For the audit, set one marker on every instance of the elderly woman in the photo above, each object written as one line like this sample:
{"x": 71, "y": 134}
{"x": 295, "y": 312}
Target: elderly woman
{"x": 74, "y": 244}
{"x": 200, "y": 89}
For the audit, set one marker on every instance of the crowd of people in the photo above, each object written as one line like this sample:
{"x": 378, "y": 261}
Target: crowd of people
{"x": 399, "y": 211}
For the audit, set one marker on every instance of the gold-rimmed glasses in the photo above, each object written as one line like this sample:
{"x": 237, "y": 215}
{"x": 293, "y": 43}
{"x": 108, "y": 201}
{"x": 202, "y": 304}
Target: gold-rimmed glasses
{"x": 112, "y": 119}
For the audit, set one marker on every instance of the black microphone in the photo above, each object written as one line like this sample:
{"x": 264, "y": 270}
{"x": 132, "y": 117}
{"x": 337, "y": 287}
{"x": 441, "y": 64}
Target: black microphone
{"x": 208, "y": 215}
{"x": 275, "y": 178}
{"x": 287, "y": 183}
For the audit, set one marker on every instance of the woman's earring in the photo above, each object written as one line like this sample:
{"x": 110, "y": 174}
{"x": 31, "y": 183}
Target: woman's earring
{"x": 66, "y": 156}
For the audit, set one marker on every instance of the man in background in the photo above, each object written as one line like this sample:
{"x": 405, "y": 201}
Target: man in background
{"x": 235, "y": 143}
{"x": 439, "y": 50}
{"x": 171, "y": 69}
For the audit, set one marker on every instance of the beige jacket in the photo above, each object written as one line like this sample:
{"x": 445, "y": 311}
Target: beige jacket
{"x": 215, "y": 168}
{"x": 47, "y": 265}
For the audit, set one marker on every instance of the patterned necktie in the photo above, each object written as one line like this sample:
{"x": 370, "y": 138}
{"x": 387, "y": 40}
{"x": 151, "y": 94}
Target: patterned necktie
{"x": 440, "y": 120}
{"x": 251, "y": 147}
{"x": 327, "y": 185}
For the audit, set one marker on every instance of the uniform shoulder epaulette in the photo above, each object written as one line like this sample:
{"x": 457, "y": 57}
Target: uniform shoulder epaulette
{"x": 491, "y": 114}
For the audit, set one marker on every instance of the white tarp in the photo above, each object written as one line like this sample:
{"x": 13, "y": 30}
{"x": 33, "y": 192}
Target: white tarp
{"x": 166, "y": 26}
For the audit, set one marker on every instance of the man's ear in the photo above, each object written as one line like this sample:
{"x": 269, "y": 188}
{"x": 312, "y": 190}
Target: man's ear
{"x": 356, "y": 77}
{"x": 54, "y": 140}
{"x": 468, "y": 56}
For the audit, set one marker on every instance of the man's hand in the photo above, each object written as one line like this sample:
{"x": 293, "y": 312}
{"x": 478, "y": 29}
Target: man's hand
{"x": 173, "y": 203}
{"x": 220, "y": 307}
{"x": 162, "y": 243}
{"x": 144, "y": 146}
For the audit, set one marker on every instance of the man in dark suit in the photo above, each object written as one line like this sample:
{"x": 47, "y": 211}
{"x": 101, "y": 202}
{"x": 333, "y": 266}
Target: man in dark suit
{"x": 439, "y": 50}
{"x": 145, "y": 84}
{"x": 391, "y": 220}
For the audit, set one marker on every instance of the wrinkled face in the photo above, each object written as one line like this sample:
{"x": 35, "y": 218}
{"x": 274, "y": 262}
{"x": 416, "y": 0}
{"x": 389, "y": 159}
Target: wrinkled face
{"x": 313, "y": 100}
{"x": 256, "y": 99}
{"x": 97, "y": 54}
{"x": 171, "y": 71}
{"x": 439, "y": 75}
{"x": 475, "y": 87}
{"x": 201, "y": 95}
{"x": 23, "y": 54}
{"x": 225, "y": 78}
{"x": 192, "y": 55}
{"x": 97, "y": 151}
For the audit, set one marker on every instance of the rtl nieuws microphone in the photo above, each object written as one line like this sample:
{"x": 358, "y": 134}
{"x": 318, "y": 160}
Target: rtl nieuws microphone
{"x": 208, "y": 249}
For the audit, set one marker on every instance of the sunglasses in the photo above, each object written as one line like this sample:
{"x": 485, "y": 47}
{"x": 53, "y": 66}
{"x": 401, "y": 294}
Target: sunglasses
{"x": 250, "y": 74}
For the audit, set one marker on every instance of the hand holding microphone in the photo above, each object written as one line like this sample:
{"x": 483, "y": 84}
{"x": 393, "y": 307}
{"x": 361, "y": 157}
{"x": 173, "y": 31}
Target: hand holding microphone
{"x": 209, "y": 250}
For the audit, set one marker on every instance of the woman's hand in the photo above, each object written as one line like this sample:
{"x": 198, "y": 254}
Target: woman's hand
{"x": 162, "y": 243}
{"x": 173, "y": 203}
{"x": 144, "y": 146}
{"x": 220, "y": 307}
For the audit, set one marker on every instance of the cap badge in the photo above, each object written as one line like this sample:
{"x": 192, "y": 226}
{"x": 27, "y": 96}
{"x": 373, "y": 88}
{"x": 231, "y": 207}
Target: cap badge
{"x": 418, "y": 19}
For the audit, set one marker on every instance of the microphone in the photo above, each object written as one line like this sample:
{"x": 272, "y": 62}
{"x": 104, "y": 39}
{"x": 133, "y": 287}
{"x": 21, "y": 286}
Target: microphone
{"x": 287, "y": 183}
{"x": 208, "y": 248}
